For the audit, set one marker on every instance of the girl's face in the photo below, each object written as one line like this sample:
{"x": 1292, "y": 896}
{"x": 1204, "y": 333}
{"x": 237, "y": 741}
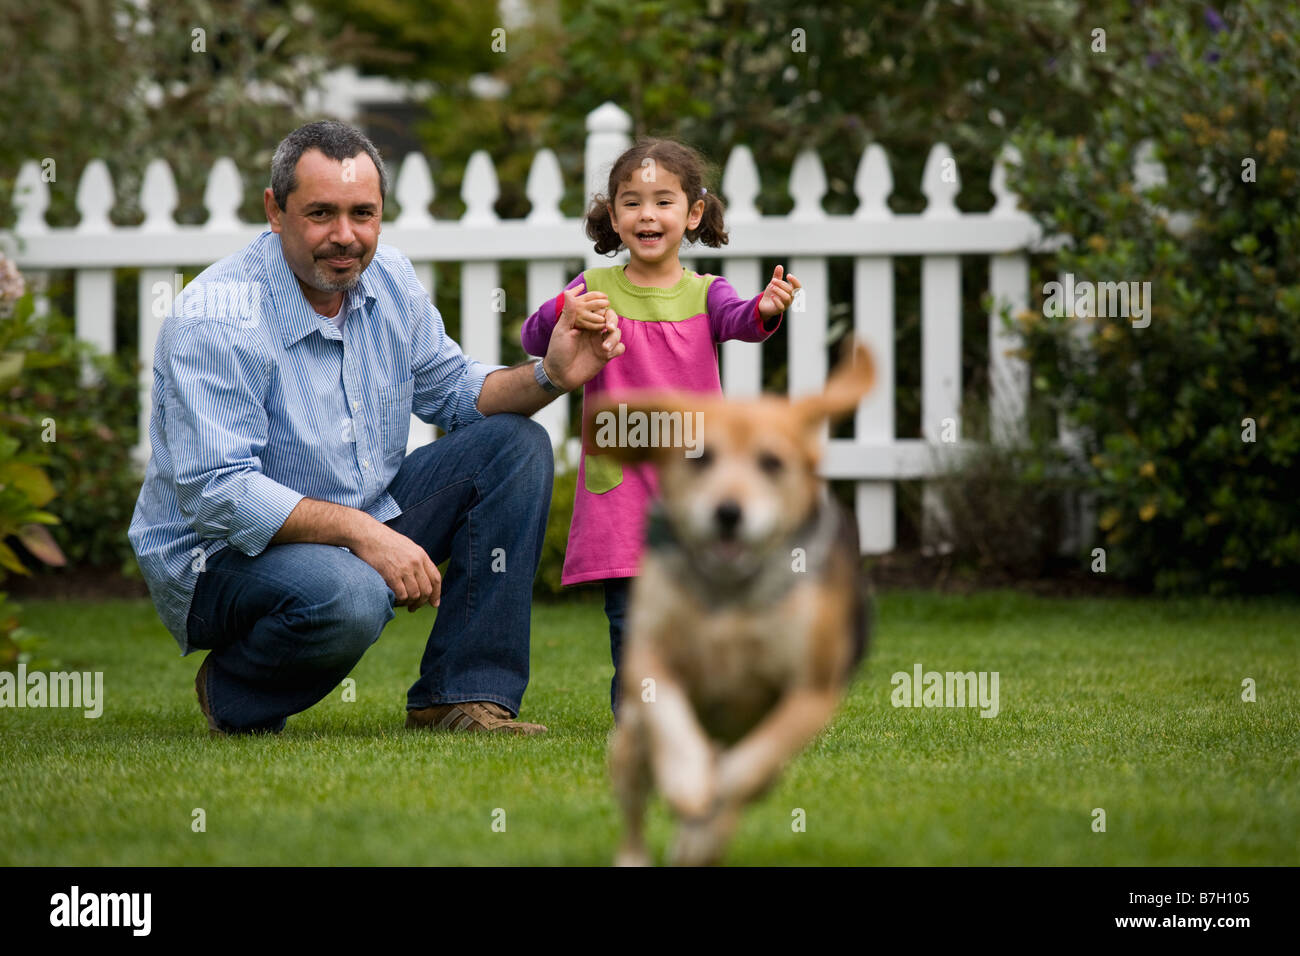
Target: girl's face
{"x": 650, "y": 213}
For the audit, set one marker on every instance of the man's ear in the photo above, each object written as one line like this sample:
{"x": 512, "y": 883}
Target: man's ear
{"x": 272, "y": 208}
{"x": 852, "y": 379}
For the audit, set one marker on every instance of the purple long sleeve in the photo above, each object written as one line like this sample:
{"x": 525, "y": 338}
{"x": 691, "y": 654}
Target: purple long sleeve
{"x": 536, "y": 333}
{"x": 731, "y": 317}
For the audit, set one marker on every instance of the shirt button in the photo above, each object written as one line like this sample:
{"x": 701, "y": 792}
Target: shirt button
{"x": 355, "y": 406}
{"x": 366, "y": 463}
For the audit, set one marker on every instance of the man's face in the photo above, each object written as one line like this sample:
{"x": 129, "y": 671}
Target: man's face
{"x": 331, "y": 226}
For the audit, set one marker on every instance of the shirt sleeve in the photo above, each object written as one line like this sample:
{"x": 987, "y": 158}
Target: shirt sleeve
{"x": 447, "y": 383}
{"x": 536, "y": 334}
{"x": 215, "y": 385}
{"x": 731, "y": 317}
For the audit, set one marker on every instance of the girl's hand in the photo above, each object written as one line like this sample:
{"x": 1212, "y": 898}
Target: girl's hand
{"x": 779, "y": 293}
{"x": 586, "y": 310}
{"x": 575, "y": 356}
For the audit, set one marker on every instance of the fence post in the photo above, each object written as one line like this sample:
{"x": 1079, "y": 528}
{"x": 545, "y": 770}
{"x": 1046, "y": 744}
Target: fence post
{"x": 607, "y": 137}
{"x": 940, "y": 342}
{"x": 873, "y": 323}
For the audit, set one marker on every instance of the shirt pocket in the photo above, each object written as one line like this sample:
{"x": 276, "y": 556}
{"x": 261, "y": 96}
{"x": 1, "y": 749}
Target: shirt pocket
{"x": 395, "y": 419}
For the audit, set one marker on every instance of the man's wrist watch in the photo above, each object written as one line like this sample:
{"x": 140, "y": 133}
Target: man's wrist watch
{"x": 549, "y": 387}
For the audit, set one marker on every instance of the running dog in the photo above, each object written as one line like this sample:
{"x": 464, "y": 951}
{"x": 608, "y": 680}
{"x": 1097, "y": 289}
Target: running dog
{"x": 750, "y": 614}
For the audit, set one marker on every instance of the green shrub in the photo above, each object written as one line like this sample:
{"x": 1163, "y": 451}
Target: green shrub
{"x": 1003, "y": 508}
{"x": 551, "y": 566}
{"x": 1184, "y": 499}
{"x": 92, "y": 426}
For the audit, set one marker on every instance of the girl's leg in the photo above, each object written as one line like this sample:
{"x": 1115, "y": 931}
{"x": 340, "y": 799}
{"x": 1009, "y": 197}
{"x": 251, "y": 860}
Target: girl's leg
{"x": 616, "y": 595}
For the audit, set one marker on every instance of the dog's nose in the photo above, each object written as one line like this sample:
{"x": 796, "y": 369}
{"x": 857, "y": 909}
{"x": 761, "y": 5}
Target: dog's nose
{"x": 727, "y": 515}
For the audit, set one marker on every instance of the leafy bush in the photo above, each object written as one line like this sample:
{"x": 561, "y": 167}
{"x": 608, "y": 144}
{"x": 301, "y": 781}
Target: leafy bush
{"x": 1002, "y": 508}
{"x": 1186, "y": 497}
{"x": 84, "y": 432}
{"x": 551, "y": 566}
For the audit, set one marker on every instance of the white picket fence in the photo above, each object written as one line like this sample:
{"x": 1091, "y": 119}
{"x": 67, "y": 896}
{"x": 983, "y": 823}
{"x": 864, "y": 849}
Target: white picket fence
{"x": 548, "y": 242}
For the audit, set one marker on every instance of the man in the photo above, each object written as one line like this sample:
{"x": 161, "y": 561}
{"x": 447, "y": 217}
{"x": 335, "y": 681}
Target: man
{"x": 281, "y": 520}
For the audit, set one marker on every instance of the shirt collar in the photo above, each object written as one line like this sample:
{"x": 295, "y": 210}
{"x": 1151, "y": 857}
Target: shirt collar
{"x": 293, "y": 312}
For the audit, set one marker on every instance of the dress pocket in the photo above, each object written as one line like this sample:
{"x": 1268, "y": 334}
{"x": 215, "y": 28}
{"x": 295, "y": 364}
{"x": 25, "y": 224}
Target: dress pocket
{"x": 395, "y": 419}
{"x": 602, "y": 473}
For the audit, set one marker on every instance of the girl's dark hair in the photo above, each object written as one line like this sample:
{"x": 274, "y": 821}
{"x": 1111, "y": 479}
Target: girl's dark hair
{"x": 690, "y": 169}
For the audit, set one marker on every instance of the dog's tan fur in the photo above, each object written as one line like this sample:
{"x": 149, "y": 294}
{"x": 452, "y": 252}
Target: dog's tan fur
{"x": 744, "y": 675}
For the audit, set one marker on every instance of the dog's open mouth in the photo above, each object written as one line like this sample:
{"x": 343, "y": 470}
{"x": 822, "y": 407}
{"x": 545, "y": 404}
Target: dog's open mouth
{"x": 726, "y": 551}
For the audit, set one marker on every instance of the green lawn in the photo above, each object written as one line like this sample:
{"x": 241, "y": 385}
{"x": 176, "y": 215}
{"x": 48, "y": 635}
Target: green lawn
{"x": 1131, "y": 706}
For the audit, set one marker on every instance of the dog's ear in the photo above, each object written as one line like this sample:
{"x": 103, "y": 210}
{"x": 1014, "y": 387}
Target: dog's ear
{"x": 852, "y": 378}
{"x": 619, "y": 426}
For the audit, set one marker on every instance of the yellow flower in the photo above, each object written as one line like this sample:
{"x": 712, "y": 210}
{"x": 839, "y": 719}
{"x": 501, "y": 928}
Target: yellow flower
{"x": 1147, "y": 511}
{"x": 1098, "y": 461}
{"x": 1227, "y": 113}
{"x": 1111, "y": 332}
{"x": 1109, "y": 518}
{"x": 1097, "y": 243}
{"x": 1148, "y": 469}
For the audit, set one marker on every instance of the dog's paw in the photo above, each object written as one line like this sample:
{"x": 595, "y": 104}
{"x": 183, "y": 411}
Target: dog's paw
{"x": 687, "y": 780}
{"x": 698, "y": 842}
{"x": 688, "y": 789}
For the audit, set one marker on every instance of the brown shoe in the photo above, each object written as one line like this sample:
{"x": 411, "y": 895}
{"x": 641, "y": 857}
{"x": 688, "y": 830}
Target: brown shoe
{"x": 201, "y": 688}
{"x": 470, "y": 716}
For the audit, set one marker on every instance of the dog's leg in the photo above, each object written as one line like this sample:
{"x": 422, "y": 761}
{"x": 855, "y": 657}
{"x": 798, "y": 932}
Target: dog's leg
{"x": 750, "y": 767}
{"x": 629, "y": 761}
{"x": 680, "y": 752}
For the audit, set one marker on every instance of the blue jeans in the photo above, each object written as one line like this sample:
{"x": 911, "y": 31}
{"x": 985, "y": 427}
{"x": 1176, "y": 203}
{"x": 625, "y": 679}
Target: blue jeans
{"x": 285, "y": 627}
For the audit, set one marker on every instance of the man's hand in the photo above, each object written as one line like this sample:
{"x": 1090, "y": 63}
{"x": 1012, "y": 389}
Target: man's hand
{"x": 403, "y": 564}
{"x": 575, "y": 355}
{"x": 585, "y": 310}
{"x": 779, "y": 293}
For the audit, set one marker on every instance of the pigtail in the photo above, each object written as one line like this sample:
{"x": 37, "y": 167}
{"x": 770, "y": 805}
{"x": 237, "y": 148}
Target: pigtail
{"x": 710, "y": 231}
{"x": 599, "y": 229}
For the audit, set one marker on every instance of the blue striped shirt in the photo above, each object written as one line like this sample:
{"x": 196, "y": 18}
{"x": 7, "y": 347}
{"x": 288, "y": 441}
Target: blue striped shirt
{"x": 259, "y": 401}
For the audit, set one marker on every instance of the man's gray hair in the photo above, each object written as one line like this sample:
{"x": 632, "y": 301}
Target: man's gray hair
{"x": 336, "y": 140}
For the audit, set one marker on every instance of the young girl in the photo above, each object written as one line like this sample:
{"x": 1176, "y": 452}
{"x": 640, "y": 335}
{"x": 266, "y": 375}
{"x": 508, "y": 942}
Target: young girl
{"x": 671, "y": 321}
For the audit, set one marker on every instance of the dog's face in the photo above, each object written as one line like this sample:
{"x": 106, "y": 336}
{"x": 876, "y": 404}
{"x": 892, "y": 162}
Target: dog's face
{"x": 750, "y": 479}
{"x": 752, "y": 484}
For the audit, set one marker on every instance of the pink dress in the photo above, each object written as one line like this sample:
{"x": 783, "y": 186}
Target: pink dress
{"x": 671, "y": 337}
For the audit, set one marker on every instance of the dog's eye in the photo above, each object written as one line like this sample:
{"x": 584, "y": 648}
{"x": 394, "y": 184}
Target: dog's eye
{"x": 770, "y": 463}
